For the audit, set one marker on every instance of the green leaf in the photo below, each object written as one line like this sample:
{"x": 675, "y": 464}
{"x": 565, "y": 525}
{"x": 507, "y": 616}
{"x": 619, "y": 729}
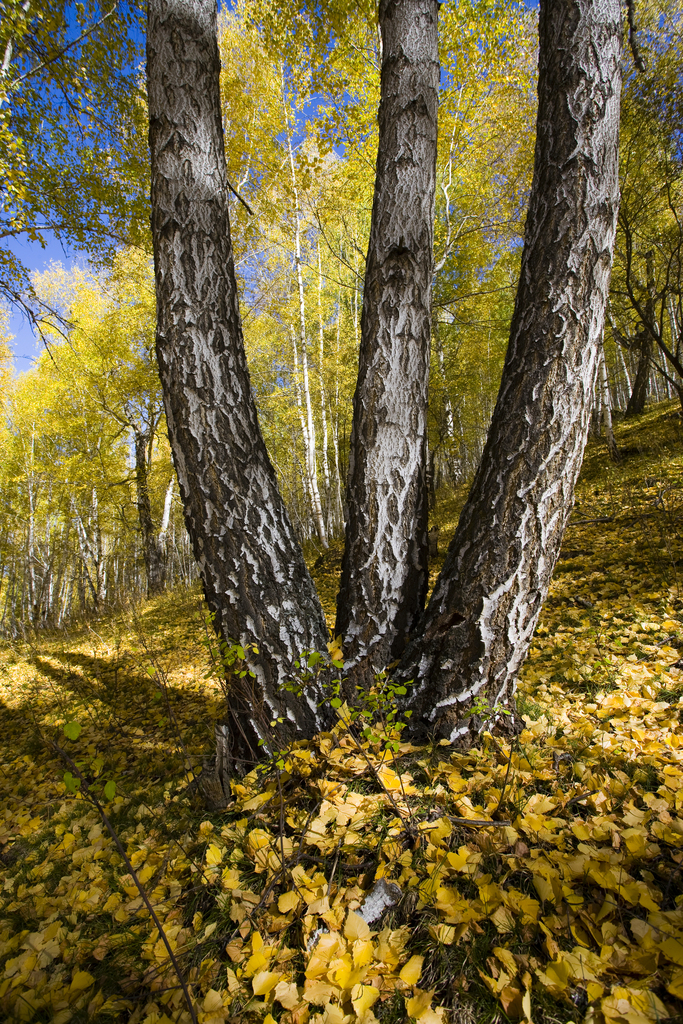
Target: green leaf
{"x": 336, "y": 702}
{"x": 110, "y": 790}
{"x": 72, "y": 730}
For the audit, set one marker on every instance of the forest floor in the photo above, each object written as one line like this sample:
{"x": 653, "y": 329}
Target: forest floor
{"x": 540, "y": 883}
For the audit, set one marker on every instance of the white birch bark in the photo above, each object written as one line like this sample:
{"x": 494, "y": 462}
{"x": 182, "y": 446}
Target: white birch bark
{"x": 309, "y": 437}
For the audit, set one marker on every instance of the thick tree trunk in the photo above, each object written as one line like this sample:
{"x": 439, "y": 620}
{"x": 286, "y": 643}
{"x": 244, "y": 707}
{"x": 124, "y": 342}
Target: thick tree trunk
{"x": 477, "y": 629}
{"x": 252, "y": 568}
{"x": 384, "y": 571}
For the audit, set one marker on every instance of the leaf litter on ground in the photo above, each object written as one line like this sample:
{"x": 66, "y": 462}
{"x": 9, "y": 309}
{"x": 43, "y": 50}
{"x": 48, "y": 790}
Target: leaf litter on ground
{"x": 567, "y": 906}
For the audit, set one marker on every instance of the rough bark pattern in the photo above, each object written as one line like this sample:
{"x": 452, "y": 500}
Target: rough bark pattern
{"x": 384, "y": 571}
{"x": 480, "y": 620}
{"x": 251, "y": 566}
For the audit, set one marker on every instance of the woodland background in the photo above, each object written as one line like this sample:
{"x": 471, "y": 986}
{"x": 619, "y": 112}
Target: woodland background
{"x": 89, "y": 511}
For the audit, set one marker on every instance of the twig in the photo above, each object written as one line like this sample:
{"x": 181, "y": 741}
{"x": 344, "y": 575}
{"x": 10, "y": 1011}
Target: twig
{"x": 244, "y": 203}
{"x": 478, "y": 822}
{"x": 578, "y": 799}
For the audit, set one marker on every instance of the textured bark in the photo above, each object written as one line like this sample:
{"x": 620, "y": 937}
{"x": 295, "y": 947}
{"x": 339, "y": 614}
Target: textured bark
{"x": 384, "y": 571}
{"x": 252, "y": 568}
{"x": 645, "y": 339}
{"x": 477, "y": 628}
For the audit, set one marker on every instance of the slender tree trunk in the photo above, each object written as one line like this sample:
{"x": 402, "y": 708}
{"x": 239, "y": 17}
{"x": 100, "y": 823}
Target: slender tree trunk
{"x": 309, "y": 435}
{"x": 607, "y": 408}
{"x": 150, "y": 549}
{"x": 323, "y": 411}
{"x": 636, "y": 402}
{"x": 476, "y": 631}
{"x": 384, "y": 570}
{"x": 255, "y": 579}
{"x": 334, "y": 419}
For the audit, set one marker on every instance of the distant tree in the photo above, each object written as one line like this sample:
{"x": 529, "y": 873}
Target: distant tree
{"x": 476, "y": 631}
{"x": 648, "y": 274}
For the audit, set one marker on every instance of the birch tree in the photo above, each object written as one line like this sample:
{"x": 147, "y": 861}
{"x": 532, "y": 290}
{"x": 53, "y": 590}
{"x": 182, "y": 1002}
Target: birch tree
{"x": 384, "y": 571}
{"x": 252, "y": 568}
{"x": 476, "y": 631}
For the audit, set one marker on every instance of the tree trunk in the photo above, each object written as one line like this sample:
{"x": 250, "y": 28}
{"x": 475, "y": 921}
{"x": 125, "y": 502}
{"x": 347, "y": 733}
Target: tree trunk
{"x": 255, "y": 579}
{"x": 476, "y": 631}
{"x": 323, "y": 411}
{"x": 607, "y": 408}
{"x": 636, "y": 403}
{"x": 384, "y": 570}
{"x": 154, "y": 566}
{"x": 309, "y": 433}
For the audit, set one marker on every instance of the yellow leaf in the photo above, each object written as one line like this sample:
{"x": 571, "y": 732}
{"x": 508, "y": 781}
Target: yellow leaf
{"x": 507, "y": 959}
{"x": 213, "y": 1001}
{"x": 363, "y": 952}
{"x": 543, "y": 888}
{"x": 673, "y": 950}
{"x": 420, "y": 1002}
{"x": 287, "y": 994}
{"x": 80, "y": 981}
{"x": 411, "y": 972}
{"x": 317, "y": 992}
{"x": 363, "y": 997}
{"x": 356, "y": 927}
{"x": 264, "y": 981}
{"x": 558, "y": 973}
{"x": 288, "y": 901}
{"x": 214, "y": 855}
{"x": 675, "y": 986}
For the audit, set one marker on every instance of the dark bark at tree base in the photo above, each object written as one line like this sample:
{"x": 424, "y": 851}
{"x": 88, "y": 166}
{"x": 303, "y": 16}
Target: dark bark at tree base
{"x": 476, "y": 631}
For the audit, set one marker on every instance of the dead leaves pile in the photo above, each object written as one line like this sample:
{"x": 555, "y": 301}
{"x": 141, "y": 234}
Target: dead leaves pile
{"x": 567, "y": 906}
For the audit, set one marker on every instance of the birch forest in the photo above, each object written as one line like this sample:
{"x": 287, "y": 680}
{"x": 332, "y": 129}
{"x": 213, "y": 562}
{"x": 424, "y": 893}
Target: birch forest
{"x": 90, "y": 514}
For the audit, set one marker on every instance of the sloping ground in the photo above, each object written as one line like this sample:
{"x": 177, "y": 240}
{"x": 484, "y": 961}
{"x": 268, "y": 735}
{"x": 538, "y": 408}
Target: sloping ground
{"x": 542, "y": 883}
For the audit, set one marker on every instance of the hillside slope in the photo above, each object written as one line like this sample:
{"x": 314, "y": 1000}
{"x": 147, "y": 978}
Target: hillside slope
{"x": 541, "y": 883}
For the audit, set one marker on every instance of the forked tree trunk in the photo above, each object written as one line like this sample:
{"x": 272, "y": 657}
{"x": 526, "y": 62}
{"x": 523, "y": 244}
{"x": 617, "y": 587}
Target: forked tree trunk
{"x": 252, "y": 568}
{"x": 384, "y": 571}
{"x": 477, "y": 628}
